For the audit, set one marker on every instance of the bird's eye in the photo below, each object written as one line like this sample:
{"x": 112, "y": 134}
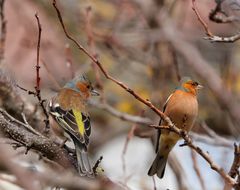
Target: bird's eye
{"x": 195, "y": 83}
{"x": 88, "y": 86}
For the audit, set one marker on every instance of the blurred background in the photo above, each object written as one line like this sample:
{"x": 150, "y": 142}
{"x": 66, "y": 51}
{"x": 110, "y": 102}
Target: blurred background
{"x": 127, "y": 36}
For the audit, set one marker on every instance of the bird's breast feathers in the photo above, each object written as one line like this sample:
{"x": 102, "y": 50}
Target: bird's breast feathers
{"x": 182, "y": 108}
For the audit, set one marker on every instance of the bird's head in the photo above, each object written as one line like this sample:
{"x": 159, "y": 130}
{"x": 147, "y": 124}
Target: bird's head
{"x": 82, "y": 85}
{"x": 189, "y": 85}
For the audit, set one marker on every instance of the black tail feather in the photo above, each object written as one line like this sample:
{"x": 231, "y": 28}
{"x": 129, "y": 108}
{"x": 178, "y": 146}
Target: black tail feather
{"x": 158, "y": 166}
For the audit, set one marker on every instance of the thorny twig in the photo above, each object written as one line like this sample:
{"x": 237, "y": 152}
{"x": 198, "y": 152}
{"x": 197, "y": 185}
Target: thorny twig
{"x": 170, "y": 126}
{"x": 37, "y": 87}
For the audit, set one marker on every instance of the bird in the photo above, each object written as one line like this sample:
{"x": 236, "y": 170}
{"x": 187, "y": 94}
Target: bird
{"x": 182, "y": 109}
{"x": 69, "y": 109}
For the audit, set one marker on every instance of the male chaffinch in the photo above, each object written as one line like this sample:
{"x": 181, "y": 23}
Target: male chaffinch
{"x": 182, "y": 108}
{"x": 68, "y": 109}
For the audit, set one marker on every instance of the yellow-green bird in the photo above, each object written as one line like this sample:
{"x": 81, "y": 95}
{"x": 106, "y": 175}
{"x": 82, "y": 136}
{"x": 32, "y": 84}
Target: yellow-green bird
{"x": 182, "y": 108}
{"x": 68, "y": 109}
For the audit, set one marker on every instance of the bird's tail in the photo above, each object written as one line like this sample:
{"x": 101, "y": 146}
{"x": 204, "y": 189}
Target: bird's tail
{"x": 158, "y": 165}
{"x": 84, "y": 166}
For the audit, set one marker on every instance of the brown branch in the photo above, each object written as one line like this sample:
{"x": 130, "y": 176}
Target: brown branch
{"x": 197, "y": 170}
{"x": 210, "y": 36}
{"x": 236, "y": 162}
{"x": 37, "y": 87}
{"x": 205, "y": 26}
{"x": 16, "y": 130}
{"x": 3, "y": 30}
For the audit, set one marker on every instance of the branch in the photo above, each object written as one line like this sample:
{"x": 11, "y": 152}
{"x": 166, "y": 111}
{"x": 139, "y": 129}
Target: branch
{"x": 16, "y": 130}
{"x": 205, "y": 26}
{"x": 236, "y": 162}
{"x": 37, "y": 87}
{"x": 210, "y": 36}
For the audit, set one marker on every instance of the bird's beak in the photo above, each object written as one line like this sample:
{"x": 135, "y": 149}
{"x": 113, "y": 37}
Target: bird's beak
{"x": 199, "y": 87}
{"x": 94, "y": 93}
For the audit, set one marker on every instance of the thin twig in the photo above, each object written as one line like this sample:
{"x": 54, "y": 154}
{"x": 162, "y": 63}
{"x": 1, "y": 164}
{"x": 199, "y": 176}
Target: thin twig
{"x": 37, "y": 87}
{"x": 205, "y": 26}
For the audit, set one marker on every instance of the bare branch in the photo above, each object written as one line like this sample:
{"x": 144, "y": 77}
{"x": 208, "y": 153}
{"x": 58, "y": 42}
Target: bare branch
{"x": 16, "y": 130}
{"x": 37, "y": 87}
{"x": 205, "y": 26}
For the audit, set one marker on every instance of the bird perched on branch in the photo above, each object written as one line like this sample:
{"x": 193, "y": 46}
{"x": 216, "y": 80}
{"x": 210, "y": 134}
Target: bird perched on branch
{"x": 182, "y": 108}
{"x": 68, "y": 109}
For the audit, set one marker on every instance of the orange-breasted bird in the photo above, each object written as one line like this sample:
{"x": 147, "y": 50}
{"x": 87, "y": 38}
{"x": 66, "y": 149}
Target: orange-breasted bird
{"x": 182, "y": 108}
{"x": 68, "y": 109}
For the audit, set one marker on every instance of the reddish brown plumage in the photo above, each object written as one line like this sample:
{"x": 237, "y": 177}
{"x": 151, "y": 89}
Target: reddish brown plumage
{"x": 182, "y": 108}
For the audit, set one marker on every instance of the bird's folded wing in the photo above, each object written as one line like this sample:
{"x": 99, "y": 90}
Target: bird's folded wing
{"x": 160, "y": 122}
{"x": 75, "y": 123}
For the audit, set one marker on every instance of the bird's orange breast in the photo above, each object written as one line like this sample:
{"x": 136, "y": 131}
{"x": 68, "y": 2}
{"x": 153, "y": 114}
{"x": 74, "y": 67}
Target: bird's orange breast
{"x": 182, "y": 109}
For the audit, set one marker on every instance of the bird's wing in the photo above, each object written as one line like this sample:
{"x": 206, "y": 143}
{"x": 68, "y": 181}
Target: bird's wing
{"x": 75, "y": 123}
{"x": 160, "y": 122}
